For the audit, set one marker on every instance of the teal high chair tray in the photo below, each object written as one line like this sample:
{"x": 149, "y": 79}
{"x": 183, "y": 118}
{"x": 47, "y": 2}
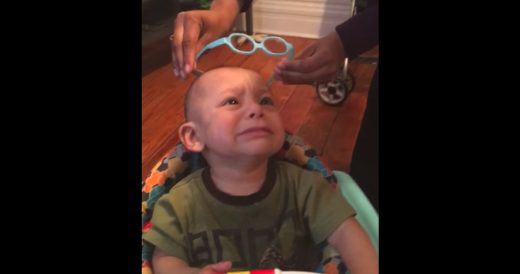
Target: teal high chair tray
{"x": 366, "y": 214}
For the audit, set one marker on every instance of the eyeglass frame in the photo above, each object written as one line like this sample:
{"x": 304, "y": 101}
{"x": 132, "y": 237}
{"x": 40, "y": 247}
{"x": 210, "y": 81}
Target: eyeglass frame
{"x": 289, "y": 49}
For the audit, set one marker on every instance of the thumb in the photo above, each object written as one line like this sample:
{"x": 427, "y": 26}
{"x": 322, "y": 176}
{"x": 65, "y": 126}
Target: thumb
{"x": 308, "y": 51}
{"x": 303, "y": 62}
{"x": 223, "y": 266}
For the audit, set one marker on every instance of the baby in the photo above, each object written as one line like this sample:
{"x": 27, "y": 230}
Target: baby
{"x": 247, "y": 210}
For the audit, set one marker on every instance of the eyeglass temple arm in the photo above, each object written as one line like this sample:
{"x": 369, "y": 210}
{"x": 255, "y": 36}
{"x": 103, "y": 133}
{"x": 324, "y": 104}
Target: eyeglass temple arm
{"x": 216, "y": 43}
{"x": 211, "y": 45}
{"x": 290, "y": 49}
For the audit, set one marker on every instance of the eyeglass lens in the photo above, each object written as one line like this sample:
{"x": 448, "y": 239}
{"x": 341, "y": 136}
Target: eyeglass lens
{"x": 242, "y": 43}
{"x": 271, "y": 44}
{"x": 275, "y": 45}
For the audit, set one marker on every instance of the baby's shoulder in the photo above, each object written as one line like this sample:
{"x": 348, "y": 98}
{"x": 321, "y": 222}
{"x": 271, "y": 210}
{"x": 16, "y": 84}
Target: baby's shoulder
{"x": 187, "y": 183}
{"x": 291, "y": 168}
{"x": 292, "y": 173}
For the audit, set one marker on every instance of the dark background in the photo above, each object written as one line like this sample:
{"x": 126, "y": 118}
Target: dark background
{"x": 71, "y": 139}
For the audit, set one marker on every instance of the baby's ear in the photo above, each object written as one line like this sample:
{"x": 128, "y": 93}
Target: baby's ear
{"x": 189, "y": 137}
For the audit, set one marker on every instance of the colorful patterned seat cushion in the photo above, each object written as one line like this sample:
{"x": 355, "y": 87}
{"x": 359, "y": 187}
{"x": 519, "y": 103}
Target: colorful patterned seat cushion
{"x": 178, "y": 163}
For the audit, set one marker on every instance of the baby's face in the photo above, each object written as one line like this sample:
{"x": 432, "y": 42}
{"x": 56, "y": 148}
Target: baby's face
{"x": 235, "y": 113}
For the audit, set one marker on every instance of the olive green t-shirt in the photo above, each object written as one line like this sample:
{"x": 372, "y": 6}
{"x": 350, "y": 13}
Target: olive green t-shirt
{"x": 281, "y": 225}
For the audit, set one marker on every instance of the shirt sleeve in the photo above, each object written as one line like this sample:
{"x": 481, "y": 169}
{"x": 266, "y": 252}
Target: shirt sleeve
{"x": 323, "y": 207}
{"x": 166, "y": 230}
{"x": 360, "y": 32}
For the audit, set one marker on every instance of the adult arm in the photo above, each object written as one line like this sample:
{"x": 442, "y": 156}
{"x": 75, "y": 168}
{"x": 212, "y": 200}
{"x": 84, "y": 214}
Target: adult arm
{"x": 320, "y": 61}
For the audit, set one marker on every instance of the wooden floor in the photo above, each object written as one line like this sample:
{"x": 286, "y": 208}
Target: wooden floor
{"x": 330, "y": 130}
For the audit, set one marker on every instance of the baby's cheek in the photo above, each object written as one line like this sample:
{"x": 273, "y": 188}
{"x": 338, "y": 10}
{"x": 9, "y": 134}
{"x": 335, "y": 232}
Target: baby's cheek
{"x": 221, "y": 132}
{"x": 280, "y": 141}
{"x": 278, "y": 123}
{"x": 280, "y": 134}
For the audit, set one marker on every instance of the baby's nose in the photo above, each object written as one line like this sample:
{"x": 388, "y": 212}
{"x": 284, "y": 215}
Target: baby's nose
{"x": 255, "y": 111}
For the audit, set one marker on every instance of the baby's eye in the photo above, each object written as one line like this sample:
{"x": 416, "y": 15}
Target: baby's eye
{"x": 231, "y": 101}
{"x": 266, "y": 101}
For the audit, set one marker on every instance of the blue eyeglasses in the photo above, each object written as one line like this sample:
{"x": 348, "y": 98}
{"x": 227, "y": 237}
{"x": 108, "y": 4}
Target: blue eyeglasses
{"x": 271, "y": 45}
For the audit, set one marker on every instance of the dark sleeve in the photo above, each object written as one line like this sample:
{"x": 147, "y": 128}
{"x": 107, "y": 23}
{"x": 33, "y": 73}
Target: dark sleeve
{"x": 361, "y": 32}
{"x": 244, "y": 4}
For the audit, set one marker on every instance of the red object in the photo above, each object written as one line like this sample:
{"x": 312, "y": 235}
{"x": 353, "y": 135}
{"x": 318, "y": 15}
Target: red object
{"x": 147, "y": 226}
{"x": 264, "y": 271}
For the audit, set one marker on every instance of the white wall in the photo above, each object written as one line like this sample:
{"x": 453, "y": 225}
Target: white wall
{"x": 303, "y": 18}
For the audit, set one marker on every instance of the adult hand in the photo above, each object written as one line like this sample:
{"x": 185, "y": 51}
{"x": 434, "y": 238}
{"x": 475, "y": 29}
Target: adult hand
{"x": 194, "y": 29}
{"x": 318, "y": 63}
{"x": 163, "y": 263}
{"x": 218, "y": 268}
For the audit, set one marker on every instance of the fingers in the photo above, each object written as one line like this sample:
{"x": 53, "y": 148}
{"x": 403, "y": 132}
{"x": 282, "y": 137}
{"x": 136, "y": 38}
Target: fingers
{"x": 176, "y": 44}
{"x": 309, "y": 67}
{"x": 294, "y": 71}
{"x": 185, "y": 43}
{"x": 320, "y": 75}
{"x": 221, "y": 266}
{"x": 290, "y": 77}
{"x": 319, "y": 62}
{"x": 192, "y": 29}
{"x": 308, "y": 51}
{"x": 218, "y": 268}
